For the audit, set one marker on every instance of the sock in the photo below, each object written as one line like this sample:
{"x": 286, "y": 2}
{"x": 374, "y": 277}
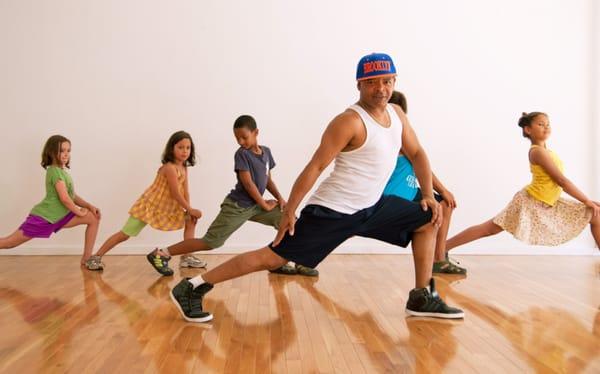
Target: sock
{"x": 165, "y": 250}
{"x": 196, "y": 281}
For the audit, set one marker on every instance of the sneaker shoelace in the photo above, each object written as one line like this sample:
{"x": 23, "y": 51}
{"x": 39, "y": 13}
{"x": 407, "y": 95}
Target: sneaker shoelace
{"x": 159, "y": 262}
{"x": 196, "y": 302}
{"x": 435, "y": 301}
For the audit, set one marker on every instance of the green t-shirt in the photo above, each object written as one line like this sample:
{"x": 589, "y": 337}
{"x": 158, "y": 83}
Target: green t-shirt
{"x": 51, "y": 208}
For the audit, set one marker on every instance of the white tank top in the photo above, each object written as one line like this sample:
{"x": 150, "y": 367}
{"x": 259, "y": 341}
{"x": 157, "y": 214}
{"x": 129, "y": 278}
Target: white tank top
{"x": 359, "y": 176}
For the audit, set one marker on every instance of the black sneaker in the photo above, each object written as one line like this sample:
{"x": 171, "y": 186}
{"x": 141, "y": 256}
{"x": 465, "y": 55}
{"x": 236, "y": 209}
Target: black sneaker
{"x": 160, "y": 263}
{"x": 305, "y": 270}
{"x": 421, "y": 302}
{"x": 286, "y": 269}
{"x": 189, "y": 300}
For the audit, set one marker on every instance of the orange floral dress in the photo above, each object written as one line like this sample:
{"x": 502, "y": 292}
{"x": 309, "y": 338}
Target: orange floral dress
{"x": 157, "y": 207}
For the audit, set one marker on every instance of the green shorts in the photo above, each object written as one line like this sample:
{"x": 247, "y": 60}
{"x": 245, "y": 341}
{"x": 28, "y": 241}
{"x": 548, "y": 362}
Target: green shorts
{"x": 232, "y": 217}
{"x": 133, "y": 226}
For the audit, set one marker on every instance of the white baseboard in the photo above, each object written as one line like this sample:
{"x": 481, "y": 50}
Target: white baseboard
{"x": 51, "y": 250}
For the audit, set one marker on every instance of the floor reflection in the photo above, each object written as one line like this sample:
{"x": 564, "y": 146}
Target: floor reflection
{"x": 429, "y": 347}
{"x": 548, "y": 339}
{"x": 55, "y": 320}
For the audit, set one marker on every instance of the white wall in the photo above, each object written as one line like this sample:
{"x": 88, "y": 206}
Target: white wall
{"x": 595, "y": 95}
{"x": 118, "y": 77}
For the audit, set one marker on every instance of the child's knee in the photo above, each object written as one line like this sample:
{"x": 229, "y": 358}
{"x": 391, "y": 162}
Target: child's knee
{"x": 427, "y": 229}
{"x": 446, "y": 209}
{"x": 92, "y": 220}
{"x": 490, "y": 228}
{"x": 212, "y": 243}
{"x": 273, "y": 261}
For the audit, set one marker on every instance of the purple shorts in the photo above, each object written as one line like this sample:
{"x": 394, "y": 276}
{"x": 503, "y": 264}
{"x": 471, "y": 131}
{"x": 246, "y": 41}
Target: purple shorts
{"x": 37, "y": 227}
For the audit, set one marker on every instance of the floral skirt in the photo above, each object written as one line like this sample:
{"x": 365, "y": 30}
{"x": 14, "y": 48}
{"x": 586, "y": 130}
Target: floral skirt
{"x": 538, "y": 223}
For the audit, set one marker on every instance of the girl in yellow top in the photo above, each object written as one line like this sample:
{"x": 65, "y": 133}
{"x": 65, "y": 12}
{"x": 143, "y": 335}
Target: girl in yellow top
{"x": 537, "y": 214}
{"x": 165, "y": 205}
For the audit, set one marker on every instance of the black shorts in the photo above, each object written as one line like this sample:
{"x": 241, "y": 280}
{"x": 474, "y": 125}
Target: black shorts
{"x": 320, "y": 230}
{"x": 419, "y": 196}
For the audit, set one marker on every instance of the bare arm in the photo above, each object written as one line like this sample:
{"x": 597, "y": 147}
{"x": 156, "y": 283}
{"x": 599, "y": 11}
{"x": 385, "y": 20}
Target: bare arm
{"x": 540, "y": 156}
{"x": 418, "y": 158}
{"x": 250, "y": 187}
{"x": 171, "y": 174}
{"x": 412, "y": 149}
{"x": 186, "y": 196}
{"x": 338, "y": 135}
{"x": 79, "y": 201}
{"x": 65, "y": 199}
{"x": 272, "y": 188}
{"x": 186, "y": 189}
{"x": 443, "y": 191}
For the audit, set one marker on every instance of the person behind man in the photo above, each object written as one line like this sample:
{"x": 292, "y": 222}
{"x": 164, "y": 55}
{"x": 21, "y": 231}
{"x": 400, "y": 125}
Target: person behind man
{"x": 403, "y": 183}
{"x": 364, "y": 141}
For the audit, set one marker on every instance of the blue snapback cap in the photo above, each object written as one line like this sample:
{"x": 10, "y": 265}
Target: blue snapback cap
{"x": 375, "y": 65}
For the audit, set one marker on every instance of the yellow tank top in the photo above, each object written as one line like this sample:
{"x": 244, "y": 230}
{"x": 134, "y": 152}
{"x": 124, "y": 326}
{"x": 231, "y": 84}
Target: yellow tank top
{"x": 158, "y": 208}
{"x": 542, "y": 186}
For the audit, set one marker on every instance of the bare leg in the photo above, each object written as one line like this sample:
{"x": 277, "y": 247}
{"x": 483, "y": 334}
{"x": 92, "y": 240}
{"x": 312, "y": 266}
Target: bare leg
{"x": 595, "y": 227}
{"x": 91, "y": 232}
{"x": 189, "y": 260}
{"x": 487, "y": 228}
{"x": 13, "y": 240}
{"x": 113, "y": 241}
{"x": 189, "y": 230}
{"x": 422, "y": 249}
{"x": 245, "y": 263}
{"x": 442, "y": 234}
{"x": 187, "y": 246}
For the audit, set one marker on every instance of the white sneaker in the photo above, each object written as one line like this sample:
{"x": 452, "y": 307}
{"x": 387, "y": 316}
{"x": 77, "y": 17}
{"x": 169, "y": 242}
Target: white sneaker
{"x": 191, "y": 261}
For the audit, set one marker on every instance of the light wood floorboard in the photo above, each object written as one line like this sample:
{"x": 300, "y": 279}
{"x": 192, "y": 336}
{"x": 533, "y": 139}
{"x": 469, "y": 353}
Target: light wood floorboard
{"x": 533, "y": 314}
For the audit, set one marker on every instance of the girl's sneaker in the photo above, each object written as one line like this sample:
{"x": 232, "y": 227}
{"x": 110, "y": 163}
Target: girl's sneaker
{"x": 191, "y": 261}
{"x": 305, "y": 270}
{"x": 447, "y": 267}
{"x": 94, "y": 263}
{"x": 286, "y": 269}
{"x": 159, "y": 263}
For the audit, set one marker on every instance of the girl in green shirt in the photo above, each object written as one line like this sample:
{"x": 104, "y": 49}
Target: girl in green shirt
{"x": 62, "y": 207}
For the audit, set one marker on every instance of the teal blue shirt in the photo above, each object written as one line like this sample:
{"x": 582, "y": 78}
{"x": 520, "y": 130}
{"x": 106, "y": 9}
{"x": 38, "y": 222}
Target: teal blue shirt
{"x": 403, "y": 182}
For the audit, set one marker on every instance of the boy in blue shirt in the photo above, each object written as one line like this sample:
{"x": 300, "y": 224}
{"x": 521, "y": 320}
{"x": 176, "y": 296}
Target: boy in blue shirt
{"x": 252, "y": 165}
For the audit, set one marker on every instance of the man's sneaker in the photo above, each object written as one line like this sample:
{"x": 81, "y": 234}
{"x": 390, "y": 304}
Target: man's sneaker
{"x": 305, "y": 270}
{"x": 191, "y": 261}
{"x": 94, "y": 263}
{"x": 160, "y": 263}
{"x": 189, "y": 300}
{"x": 424, "y": 303}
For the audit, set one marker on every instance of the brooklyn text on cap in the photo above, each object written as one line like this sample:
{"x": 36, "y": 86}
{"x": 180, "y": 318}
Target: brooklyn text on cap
{"x": 375, "y": 65}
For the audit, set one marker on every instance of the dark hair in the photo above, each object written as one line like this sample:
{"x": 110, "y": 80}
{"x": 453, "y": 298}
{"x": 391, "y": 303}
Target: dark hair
{"x": 169, "y": 156}
{"x": 527, "y": 118}
{"x": 52, "y": 150}
{"x": 398, "y": 98}
{"x": 245, "y": 121}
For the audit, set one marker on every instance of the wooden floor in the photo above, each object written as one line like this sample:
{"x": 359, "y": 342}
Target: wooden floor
{"x": 523, "y": 314}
